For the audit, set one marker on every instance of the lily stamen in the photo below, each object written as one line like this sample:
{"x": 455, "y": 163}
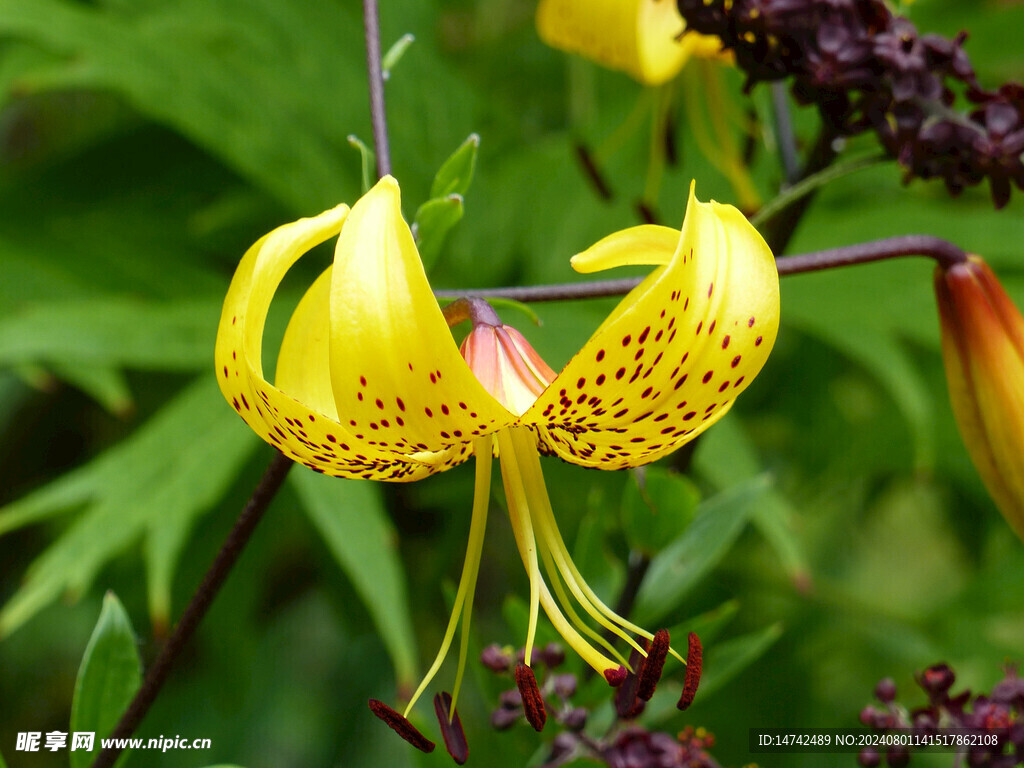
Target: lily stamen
{"x": 694, "y": 667}
{"x": 451, "y": 727}
{"x": 463, "y": 606}
{"x": 570, "y": 574}
{"x": 533, "y": 702}
{"x": 522, "y": 529}
{"x": 401, "y": 725}
{"x": 627, "y": 705}
{"x": 650, "y": 674}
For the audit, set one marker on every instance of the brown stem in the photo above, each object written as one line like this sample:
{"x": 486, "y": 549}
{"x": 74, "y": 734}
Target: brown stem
{"x": 239, "y": 536}
{"x": 375, "y": 77}
{"x": 471, "y": 308}
{"x": 635, "y": 572}
{"x": 942, "y": 251}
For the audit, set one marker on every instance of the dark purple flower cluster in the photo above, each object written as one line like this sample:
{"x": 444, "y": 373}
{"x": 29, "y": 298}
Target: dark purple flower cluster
{"x": 635, "y": 747}
{"x": 868, "y": 68}
{"x": 554, "y": 687}
{"x": 999, "y": 714}
{"x": 625, "y": 744}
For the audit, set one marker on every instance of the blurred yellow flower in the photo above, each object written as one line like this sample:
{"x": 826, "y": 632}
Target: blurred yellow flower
{"x": 640, "y": 37}
{"x": 983, "y": 351}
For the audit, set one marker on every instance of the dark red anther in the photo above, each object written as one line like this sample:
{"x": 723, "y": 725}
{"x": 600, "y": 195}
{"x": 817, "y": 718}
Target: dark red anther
{"x": 533, "y": 702}
{"x": 627, "y": 706}
{"x": 400, "y": 725}
{"x": 650, "y": 673}
{"x": 694, "y": 665}
{"x": 451, "y": 728}
{"x": 615, "y": 676}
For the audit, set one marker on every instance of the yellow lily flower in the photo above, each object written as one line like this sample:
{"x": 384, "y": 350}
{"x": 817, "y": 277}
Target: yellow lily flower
{"x": 370, "y": 382}
{"x": 640, "y": 37}
{"x": 983, "y": 352}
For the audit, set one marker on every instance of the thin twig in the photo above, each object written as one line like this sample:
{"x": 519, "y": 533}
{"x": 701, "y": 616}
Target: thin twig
{"x": 375, "y": 77}
{"x": 239, "y": 536}
{"x": 942, "y": 251}
{"x": 560, "y": 292}
{"x": 639, "y": 562}
{"x": 784, "y": 136}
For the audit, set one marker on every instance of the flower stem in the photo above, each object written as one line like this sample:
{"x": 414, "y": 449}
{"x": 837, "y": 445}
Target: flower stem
{"x": 785, "y": 138}
{"x": 471, "y": 308}
{"x": 268, "y": 487}
{"x": 375, "y": 77}
{"x": 808, "y": 184}
{"x": 942, "y": 251}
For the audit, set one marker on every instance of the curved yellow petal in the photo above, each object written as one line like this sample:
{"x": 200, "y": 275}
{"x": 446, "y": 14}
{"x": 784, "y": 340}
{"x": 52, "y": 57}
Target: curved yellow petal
{"x": 645, "y": 244}
{"x": 673, "y": 356}
{"x": 640, "y": 37}
{"x": 303, "y": 369}
{"x": 306, "y": 432}
{"x": 395, "y": 369}
{"x": 661, "y": 53}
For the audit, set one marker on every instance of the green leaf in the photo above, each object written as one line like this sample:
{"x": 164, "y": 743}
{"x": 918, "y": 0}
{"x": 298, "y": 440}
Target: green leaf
{"x": 368, "y": 164}
{"x": 155, "y": 483}
{"x": 112, "y": 331}
{"x": 434, "y": 219}
{"x": 349, "y": 514}
{"x": 682, "y": 563}
{"x": 590, "y": 552}
{"x": 105, "y": 384}
{"x": 723, "y": 661}
{"x": 214, "y": 459}
{"x": 709, "y": 624}
{"x": 237, "y": 100}
{"x": 395, "y": 53}
{"x": 656, "y": 507}
{"x": 246, "y": 80}
{"x": 2, "y": 763}
{"x": 110, "y": 674}
{"x": 456, "y": 172}
{"x": 727, "y": 454}
{"x": 881, "y": 355}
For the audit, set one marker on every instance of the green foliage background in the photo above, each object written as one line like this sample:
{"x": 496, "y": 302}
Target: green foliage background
{"x": 144, "y": 144}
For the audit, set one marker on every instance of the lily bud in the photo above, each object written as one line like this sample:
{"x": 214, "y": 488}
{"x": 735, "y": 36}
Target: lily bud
{"x": 983, "y": 351}
{"x": 507, "y": 366}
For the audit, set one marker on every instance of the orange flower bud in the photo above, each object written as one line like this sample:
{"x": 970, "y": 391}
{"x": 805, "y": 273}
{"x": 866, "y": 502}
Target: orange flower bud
{"x": 983, "y": 350}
